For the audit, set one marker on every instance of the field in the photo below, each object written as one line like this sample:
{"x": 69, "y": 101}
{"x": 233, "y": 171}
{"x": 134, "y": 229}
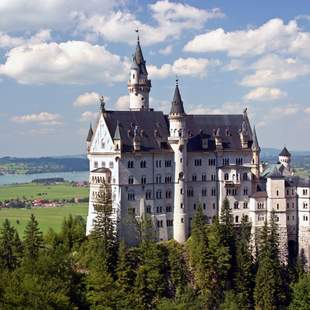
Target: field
{"x": 33, "y": 191}
{"x": 47, "y": 217}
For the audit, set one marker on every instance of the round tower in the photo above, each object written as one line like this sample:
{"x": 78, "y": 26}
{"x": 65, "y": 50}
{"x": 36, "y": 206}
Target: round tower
{"x": 178, "y": 142}
{"x": 139, "y": 85}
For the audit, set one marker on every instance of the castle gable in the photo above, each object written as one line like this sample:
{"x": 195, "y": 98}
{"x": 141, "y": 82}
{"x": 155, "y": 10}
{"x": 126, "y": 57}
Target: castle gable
{"x": 101, "y": 140}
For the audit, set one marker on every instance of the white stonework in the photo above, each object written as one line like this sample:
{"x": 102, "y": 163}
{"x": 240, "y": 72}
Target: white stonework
{"x": 169, "y": 165}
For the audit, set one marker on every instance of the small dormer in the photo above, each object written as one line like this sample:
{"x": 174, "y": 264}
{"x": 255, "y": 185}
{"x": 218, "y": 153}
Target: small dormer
{"x": 218, "y": 139}
{"x": 117, "y": 138}
{"x": 137, "y": 139}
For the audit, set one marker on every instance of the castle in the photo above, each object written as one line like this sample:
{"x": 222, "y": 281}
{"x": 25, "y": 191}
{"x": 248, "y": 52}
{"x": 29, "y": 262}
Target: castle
{"x": 168, "y": 165}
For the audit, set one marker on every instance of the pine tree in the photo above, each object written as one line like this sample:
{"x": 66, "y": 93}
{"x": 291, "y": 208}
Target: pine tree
{"x": 198, "y": 250}
{"x": 244, "y": 274}
{"x": 177, "y": 268}
{"x": 269, "y": 291}
{"x": 10, "y": 247}
{"x": 126, "y": 274}
{"x": 103, "y": 239}
{"x": 228, "y": 238}
{"x": 301, "y": 294}
{"x": 33, "y": 241}
{"x": 218, "y": 265}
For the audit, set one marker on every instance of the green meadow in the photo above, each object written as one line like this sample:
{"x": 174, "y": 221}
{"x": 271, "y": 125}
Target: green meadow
{"x": 34, "y": 191}
{"x": 47, "y": 217}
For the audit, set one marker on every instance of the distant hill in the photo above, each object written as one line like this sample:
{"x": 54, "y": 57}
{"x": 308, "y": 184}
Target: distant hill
{"x": 15, "y": 165}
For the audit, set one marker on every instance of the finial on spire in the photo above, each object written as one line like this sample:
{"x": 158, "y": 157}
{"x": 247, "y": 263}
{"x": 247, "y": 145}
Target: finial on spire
{"x": 137, "y": 32}
{"x": 177, "y": 80}
{"x": 102, "y": 104}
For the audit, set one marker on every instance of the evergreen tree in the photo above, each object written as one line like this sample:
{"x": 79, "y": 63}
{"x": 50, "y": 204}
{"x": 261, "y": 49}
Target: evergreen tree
{"x": 301, "y": 294}
{"x": 33, "y": 241}
{"x": 10, "y": 247}
{"x": 126, "y": 274}
{"x": 178, "y": 271}
{"x": 103, "y": 239}
{"x": 244, "y": 274}
{"x": 218, "y": 265}
{"x": 269, "y": 293}
{"x": 228, "y": 238}
{"x": 73, "y": 232}
{"x": 198, "y": 250}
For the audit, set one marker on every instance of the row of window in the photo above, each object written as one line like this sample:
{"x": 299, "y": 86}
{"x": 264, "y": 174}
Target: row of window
{"x": 197, "y": 162}
{"x": 235, "y": 177}
{"x": 103, "y": 164}
{"x": 131, "y": 164}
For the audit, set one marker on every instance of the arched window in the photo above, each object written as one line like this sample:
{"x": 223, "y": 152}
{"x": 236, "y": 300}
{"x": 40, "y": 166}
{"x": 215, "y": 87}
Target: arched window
{"x": 130, "y": 180}
{"x": 226, "y": 176}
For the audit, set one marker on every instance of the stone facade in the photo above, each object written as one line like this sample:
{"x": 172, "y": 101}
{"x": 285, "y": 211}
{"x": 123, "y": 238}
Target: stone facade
{"x": 168, "y": 165}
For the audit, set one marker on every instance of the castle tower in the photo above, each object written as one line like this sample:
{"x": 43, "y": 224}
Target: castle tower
{"x": 285, "y": 158}
{"x": 139, "y": 85}
{"x": 256, "y": 156}
{"x": 178, "y": 142}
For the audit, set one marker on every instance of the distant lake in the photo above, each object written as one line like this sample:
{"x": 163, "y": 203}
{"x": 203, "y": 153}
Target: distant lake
{"x": 26, "y": 178}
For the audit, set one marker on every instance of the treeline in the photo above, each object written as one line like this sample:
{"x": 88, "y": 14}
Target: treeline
{"x": 215, "y": 269}
{"x": 13, "y": 165}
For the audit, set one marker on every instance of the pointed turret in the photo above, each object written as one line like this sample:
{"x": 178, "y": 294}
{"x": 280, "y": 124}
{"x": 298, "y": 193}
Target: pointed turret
{"x": 177, "y": 107}
{"x": 255, "y": 145}
{"x": 285, "y": 158}
{"x": 139, "y": 59}
{"x": 256, "y": 169}
{"x": 117, "y": 137}
{"x": 139, "y": 85}
{"x": 90, "y": 134}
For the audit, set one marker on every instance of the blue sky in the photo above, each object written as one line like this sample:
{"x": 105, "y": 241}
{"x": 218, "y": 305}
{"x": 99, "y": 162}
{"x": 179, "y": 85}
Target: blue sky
{"x": 57, "y": 56}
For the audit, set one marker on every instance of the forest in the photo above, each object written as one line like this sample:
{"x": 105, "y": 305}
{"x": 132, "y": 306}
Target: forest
{"x": 218, "y": 267}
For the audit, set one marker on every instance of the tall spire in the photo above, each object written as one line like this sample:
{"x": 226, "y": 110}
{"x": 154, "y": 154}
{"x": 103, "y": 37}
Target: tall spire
{"x": 177, "y": 103}
{"x": 138, "y": 57}
{"x": 139, "y": 85}
{"x": 255, "y": 145}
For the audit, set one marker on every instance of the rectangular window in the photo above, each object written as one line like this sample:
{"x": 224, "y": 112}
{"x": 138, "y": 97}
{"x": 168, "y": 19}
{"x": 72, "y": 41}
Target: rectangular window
{"x": 169, "y": 223}
{"x": 194, "y": 177}
{"x": 167, "y": 163}
{"x": 197, "y": 162}
{"x": 225, "y": 161}
{"x": 148, "y": 195}
{"x": 131, "y": 196}
{"x": 96, "y": 164}
{"x": 204, "y": 192}
{"x": 239, "y": 161}
{"x": 212, "y": 162}
{"x": 204, "y": 177}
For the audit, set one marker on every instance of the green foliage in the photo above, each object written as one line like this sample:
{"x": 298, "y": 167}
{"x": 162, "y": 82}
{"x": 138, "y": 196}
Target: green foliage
{"x": 228, "y": 238}
{"x": 210, "y": 259}
{"x": 244, "y": 272}
{"x": 231, "y": 302}
{"x": 269, "y": 290}
{"x": 33, "y": 241}
{"x": 10, "y": 247}
{"x": 301, "y": 294}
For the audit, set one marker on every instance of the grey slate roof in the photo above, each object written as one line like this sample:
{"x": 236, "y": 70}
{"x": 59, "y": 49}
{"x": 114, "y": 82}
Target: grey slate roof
{"x": 227, "y": 126}
{"x": 154, "y": 130}
{"x": 177, "y": 103}
{"x": 285, "y": 152}
{"x": 90, "y": 134}
{"x": 101, "y": 170}
{"x": 139, "y": 59}
{"x": 255, "y": 145}
{"x": 275, "y": 173}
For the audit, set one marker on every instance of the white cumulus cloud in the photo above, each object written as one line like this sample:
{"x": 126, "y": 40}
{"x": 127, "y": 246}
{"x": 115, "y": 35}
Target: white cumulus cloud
{"x": 88, "y": 116}
{"x": 71, "y": 62}
{"x": 122, "y": 103}
{"x": 271, "y": 69}
{"x": 44, "y": 118}
{"x": 272, "y": 36}
{"x": 87, "y": 99}
{"x": 182, "y": 66}
{"x": 172, "y": 19}
{"x": 264, "y": 94}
